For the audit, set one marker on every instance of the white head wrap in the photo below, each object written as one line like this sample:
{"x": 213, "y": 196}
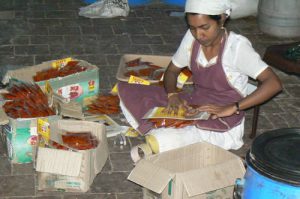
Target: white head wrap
{"x": 208, "y": 7}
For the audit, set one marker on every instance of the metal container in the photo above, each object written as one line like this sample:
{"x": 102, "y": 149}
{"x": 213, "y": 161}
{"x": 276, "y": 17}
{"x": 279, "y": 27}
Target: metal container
{"x": 279, "y": 18}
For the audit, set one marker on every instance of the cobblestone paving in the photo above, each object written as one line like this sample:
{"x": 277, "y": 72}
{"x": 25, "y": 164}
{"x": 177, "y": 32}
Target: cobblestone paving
{"x": 32, "y": 31}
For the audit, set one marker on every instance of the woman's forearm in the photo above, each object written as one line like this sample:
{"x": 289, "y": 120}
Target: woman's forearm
{"x": 170, "y": 78}
{"x": 269, "y": 86}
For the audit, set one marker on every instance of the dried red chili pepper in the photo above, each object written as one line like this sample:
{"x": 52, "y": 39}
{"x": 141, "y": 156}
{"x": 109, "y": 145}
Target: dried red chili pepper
{"x": 80, "y": 140}
{"x": 105, "y": 104}
{"x": 27, "y": 101}
{"x": 70, "y": 68}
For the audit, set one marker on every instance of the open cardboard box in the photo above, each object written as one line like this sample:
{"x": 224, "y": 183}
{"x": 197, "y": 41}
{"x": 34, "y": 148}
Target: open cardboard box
{"x": 162, "y": 61}
{"x": 197, "y": 171}
{"x": 19, "y": 135}
{"x": 81, "y": 87}
{"x": 72, "y": 171}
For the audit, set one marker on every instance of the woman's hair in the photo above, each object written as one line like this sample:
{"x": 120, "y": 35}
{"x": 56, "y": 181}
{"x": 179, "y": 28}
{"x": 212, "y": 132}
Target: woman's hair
{"x": 217, "y": 18}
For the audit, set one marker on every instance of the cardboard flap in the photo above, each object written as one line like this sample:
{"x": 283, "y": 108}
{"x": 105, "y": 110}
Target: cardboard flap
{"x": 151, "y": 176}
{"x": 3, "y": 117}
{"x": 19, "y": 74}
{"x": 72, "y": 109}
{"x": 6, "y": 78}
{"x": 212, "y": 177}
{"x": 25, "y": 73}
{"x": 58, "y": 161}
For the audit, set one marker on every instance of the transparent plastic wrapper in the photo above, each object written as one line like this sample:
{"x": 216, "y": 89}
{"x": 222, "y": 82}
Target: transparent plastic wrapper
{"x": 180, "y": 120}
{"x": 104, "y": 104}
{"x": 80, "y": 141}
{"x": 168, "y": 123}
{"x": 70, "y": 68}
{"x": 26, "y": 100}
{"x": 105, "y": 9}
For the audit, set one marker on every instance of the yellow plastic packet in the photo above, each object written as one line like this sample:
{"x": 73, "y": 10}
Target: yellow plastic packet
{"x": 159, "y": 112}
{"x": 181, "y": 79}
{"x": 137, "y": 80}
{"x": 61, "y": 62}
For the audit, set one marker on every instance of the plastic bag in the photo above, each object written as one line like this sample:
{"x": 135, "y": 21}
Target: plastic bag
{"x": 105, "y": 9}
{"x": 80, "y": 140}
{"x": 243, "y": 8}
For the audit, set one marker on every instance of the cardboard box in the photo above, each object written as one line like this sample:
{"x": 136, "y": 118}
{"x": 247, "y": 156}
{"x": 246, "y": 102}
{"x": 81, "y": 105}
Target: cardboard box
{"x": 20, "y": 136}
{"x": 72, "y": 171}
{"x": 197, "y": 171}
{"x": 85, "y": 84}
{"x": 162, "y": 61}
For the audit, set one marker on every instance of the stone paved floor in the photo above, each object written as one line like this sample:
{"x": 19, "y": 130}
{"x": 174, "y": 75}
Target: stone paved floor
{"x": 32, "y": 31}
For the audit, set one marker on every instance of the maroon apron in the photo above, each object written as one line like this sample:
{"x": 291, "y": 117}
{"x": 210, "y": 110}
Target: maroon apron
{"x": 210, "y": 87}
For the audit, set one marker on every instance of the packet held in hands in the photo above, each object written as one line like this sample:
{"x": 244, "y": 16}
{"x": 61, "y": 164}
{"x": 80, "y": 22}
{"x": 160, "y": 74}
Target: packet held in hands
{"x": 158, "y": 112}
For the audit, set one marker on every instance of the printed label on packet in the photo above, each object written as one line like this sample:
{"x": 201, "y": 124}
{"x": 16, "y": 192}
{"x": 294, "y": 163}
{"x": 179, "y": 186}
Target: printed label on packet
{"x": 61, "y": 62}
{"x": 137, "y": 80}
{"x": 43, "y": 129}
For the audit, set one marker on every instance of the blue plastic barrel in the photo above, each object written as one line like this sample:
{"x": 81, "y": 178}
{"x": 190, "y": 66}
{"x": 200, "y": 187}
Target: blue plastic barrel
{"x": 180, "y": 3}
{"x": 90, "y": 1}
{"x": 257, "y": 186}
{"x": 133, "y": 3}
{"x": 273, "y": 170}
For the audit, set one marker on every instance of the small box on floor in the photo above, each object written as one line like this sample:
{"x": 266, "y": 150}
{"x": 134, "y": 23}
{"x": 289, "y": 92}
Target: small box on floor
{"x": 20, "y": 136}
{"x": 197, "y": 171}
{"x": 80, "y": 86}
{"x": 71, "y": 170}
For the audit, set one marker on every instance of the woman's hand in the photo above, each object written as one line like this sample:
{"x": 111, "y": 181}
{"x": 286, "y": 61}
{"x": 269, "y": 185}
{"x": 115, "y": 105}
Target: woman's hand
{"x": 170, "y": 82}
{"x": 217, "y": 111}
{"x": 191, "y": 111}
{"x": 174, "y": 104}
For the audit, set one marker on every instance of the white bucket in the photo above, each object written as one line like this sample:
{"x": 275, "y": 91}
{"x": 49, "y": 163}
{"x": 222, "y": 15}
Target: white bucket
{"x": 279, "y": 18}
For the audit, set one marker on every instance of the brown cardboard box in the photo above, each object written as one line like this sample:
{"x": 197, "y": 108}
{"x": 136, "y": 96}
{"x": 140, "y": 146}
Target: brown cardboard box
{"x": 20, "y": 135}
{"x": 197, "y": 171}
{"x": 85, "y": 84}
{"x": 72, "y": 171}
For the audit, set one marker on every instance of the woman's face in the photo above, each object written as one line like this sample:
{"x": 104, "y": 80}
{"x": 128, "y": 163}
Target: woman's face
{"x": 203, "y": 28}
